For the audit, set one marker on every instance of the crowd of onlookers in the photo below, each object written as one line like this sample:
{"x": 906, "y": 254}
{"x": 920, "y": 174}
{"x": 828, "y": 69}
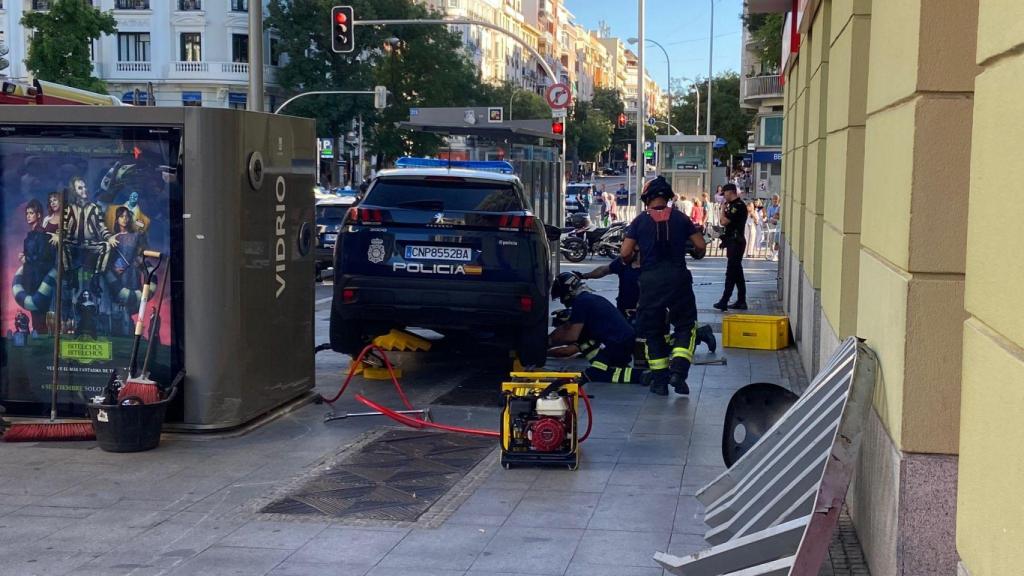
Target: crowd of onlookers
{"x": 762, "y": 218}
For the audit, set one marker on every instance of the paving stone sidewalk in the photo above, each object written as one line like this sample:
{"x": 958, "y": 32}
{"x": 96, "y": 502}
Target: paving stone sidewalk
{"x": 190, "y": 507}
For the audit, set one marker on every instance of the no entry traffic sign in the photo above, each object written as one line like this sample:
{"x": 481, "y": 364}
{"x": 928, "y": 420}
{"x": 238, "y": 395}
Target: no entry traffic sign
{"x": 559, "y": 96}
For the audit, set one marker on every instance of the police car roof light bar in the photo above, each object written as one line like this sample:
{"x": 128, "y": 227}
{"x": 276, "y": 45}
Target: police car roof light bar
{"x": 499, "y": 166}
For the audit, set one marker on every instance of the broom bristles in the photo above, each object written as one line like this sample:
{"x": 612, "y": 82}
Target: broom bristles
{"x": 36, "y": 432}
{"x": 146, "y": 391}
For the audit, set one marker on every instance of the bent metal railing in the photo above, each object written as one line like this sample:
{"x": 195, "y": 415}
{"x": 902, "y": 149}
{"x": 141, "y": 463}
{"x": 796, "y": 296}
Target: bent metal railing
{"x": 773, "y": 512}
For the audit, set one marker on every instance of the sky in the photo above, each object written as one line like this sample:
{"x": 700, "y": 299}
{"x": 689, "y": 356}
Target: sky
{"x": 681, "y": 26}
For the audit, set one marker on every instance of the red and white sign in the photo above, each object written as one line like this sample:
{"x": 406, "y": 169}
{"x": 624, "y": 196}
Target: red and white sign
{"x": 559, "y": 96}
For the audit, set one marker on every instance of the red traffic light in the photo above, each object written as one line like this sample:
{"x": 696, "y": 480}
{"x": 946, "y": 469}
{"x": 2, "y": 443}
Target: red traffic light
{"x": 340, "y": 17}
{"x": 342, "y": 34}
{"x": 557, "y": 127}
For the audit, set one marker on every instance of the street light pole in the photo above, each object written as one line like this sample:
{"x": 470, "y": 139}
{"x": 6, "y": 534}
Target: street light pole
{"x": 640, "y": 115}
{"x": 255, "y": 99}
{"x": 711, "y": 53}
{"x": 668, "y": 87}
{"x": 697, "y": 128}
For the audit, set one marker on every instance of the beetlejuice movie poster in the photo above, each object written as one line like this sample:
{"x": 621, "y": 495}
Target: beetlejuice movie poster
{"x": 117, "y": 185}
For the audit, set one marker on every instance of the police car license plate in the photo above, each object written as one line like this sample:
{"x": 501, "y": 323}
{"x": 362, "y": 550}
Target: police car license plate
{"x": 330, "y": 238}
{"x": 449, "y": 253}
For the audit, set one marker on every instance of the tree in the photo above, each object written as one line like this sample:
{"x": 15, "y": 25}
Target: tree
{"x": 766, "y": 32}
{"x": 728, "y": 120}
{"x": 526, "y": 105}
{"x": 588, "y": 132}
{"x": 60, "y": 47}
{"x": 424, "y": 66}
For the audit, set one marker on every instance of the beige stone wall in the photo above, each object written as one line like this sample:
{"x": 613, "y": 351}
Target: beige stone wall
{"x": 990, "y": 510}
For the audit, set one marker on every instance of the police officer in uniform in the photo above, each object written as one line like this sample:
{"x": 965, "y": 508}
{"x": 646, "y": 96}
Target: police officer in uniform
{"x": 662, "y": 236}
{"x": 594, "y": 329}
{"x": 734, "y": 218}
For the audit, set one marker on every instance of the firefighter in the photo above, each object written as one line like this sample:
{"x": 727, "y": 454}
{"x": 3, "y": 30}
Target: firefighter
{"x": 629, "y": 284}
{"x": 594, "y": 329}
{"x": 663, "y": 236}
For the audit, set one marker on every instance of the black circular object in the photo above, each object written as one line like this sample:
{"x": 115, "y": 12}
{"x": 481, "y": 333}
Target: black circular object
{"x": 752, "y": 411}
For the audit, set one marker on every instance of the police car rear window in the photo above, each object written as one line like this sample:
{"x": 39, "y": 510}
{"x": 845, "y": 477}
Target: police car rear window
{"x": 331, "y": 212}
{"x": 452, "y": 195}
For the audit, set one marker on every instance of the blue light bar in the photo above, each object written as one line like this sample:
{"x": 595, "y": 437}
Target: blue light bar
{"x": 499, "y": 166}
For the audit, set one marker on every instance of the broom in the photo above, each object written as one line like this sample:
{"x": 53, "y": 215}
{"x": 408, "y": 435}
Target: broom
{"x": 53, "y": 430}
{"x": 140, "y": 389}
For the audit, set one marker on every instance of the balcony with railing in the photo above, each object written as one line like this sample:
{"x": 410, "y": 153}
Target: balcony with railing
{"x": 217, "y": 71}
{"x": 762, "y": 87}
{"x": 133, "y": 66}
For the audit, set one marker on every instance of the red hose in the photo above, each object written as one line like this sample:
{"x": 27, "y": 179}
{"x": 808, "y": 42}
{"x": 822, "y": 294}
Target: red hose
{"x": 355, "y": 365}
{"x": 416, "y": 422}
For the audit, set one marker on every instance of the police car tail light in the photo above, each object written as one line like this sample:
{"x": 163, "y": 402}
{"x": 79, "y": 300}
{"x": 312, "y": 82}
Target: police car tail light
{"x": 526, "y": 303}
{"x": 515, "y": 223}
{"x": 365, "y": 216}
{"x": 348, "y": 295}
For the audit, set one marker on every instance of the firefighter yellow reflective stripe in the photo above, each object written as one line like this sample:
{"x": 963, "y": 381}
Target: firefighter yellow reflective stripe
{"x": 590, "y": 355}
{"x": 599, "y": 365}
{"x": 687, "y": 353}
{"x": 616, "y": 374}
{"x": 658, "y": 363}
{"x": 627, "y": 375}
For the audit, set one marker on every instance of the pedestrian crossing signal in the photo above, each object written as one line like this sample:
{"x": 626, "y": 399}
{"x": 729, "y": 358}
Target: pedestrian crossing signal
{"x": 342, "y": 29}
{"x": 557, "y": 127}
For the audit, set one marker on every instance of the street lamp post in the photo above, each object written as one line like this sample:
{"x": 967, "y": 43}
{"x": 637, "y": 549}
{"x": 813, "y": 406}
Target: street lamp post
{"x": 641, "y": 164}
{"x": 668, "y": 87}
{"x": 711, "y": 53}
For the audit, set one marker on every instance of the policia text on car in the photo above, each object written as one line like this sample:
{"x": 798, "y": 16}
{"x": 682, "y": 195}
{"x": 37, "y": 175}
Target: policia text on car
{"x": 662, "y": 236}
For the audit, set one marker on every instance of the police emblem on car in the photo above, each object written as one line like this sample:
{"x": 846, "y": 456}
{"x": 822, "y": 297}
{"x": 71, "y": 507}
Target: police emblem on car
{"x": 376, "y": 252}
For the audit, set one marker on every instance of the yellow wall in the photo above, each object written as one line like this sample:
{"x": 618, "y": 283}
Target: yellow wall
{"x": 990, "y": 510}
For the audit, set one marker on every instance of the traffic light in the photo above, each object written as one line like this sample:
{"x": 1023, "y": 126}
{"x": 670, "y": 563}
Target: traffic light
{"x": 342, "y": 29}
{"x": 622, "y": 120}
{"x": 557, "y": 127}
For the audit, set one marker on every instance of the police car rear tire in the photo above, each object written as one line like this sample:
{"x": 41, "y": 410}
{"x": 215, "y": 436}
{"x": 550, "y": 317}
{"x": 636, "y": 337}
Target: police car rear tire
{"x": 348, "y": 339}
{"x": 533, "y": 344}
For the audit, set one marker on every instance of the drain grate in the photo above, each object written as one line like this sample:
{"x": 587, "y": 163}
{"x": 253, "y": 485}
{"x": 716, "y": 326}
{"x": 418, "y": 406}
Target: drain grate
{"x": 397, "y": 477}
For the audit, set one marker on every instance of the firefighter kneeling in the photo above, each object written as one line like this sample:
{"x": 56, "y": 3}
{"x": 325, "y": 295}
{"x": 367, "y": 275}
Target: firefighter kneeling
{"x": 662, "y": 235}
{"x": 594, "y": 329}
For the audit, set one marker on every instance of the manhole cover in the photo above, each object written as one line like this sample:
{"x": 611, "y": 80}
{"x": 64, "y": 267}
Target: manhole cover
{"x": 397, "y": 477}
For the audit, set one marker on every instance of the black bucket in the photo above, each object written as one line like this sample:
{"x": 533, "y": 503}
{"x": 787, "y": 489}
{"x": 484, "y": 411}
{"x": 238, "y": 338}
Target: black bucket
{"x": 132, "y": 428}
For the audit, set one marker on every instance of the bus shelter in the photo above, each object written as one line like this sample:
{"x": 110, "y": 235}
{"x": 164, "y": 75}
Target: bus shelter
{"x": 686, "y": 162}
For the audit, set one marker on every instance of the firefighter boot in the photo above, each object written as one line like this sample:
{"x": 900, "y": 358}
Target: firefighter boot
{"x": 659, "y": 382}
{"x": 679, "y": 370}
{"x": 707, "y": 336}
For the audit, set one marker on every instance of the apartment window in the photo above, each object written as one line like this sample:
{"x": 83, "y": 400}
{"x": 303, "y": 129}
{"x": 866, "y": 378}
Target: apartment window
{"x": 191, "y": 47}
{"x": 132, "y": 5}
{"x": 239, "y": 47}
{"x": 453, "y": 3}
{"x": 133, "y": 47}
{"x": 191, "y": 98}
{"x": 40, "y": 4}
{"x": 771, "y": 131}
{"x": 275, "y": 52}
{"x": 239, "y": 5}
{"x": 189, "y": 5}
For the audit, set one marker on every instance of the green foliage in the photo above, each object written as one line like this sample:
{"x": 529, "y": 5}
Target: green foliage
{"x": 766, "y": 31}
{"x": 59, "y": 50}
{"x": 728, "y": 120}
{"x": 526, "y": 105}
{"x": 427, "y": 68}
{"x": 588, "y": 132}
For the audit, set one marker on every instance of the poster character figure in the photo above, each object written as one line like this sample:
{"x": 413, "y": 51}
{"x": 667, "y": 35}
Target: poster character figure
{"x": 35, "y": 281}
{"x": 86, "y": 237}
{"x": 123, "y": 276}
{"x": 140, "y": 220}
{"x": 21, "y": 331}
{"x": 87, "y": 311}
{"x": 52, "y": 221}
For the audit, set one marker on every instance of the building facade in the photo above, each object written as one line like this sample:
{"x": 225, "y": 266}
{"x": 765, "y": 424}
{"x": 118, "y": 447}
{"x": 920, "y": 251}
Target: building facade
{"x": 193, "y": 52}
{"x": 761, "y": 91}
{"x": 894, "y": 192}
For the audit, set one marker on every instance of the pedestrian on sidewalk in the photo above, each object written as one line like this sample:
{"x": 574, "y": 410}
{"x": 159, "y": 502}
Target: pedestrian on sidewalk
{"x": 734, "y": 218}
{"x": 750, "y": 230}
{"x": 661, "y": 234}
{"x": 686, "y": 205}
{"x": 697, "y": 215}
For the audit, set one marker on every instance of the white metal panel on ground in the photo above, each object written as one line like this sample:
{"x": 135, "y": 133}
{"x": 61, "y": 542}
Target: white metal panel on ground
{"x": 773, "y": 512}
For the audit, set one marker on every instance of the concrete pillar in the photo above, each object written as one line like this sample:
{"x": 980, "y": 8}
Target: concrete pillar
{"x": 850, "y": 35}
{"x": 911, "y": 278}
{"x": 990, "y": 510}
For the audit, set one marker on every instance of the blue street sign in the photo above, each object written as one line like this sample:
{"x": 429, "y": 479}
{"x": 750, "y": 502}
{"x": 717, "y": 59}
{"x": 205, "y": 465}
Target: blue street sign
{"x": 720, "y": 142}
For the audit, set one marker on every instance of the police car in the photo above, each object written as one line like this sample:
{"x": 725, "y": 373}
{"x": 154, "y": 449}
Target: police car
{"x": 330, "y": 213}
{"x": 448, "y": 246}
